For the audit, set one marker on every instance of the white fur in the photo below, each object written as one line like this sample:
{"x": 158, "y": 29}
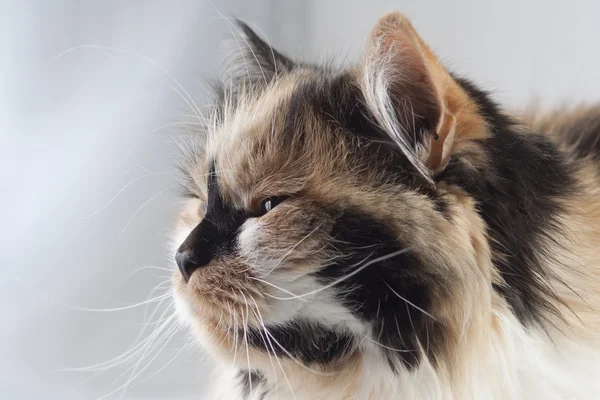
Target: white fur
{"x": 319, "y": 307}
{"x": 521, "y": 365}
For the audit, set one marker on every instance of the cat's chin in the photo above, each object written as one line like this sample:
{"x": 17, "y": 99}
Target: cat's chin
{"x": 217, "y": 338}
{"x": 248, "y": 348}
{"x": 183, "y": 310}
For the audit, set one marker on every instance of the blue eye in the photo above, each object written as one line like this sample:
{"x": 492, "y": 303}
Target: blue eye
{"x": 268, "y": 204}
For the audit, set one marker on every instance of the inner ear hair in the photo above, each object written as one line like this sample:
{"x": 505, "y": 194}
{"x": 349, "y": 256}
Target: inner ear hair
{"x": 404, "y": 82}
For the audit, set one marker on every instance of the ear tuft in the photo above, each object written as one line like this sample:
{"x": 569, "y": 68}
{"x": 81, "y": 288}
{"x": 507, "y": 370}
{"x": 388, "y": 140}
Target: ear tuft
{"x": 414, "y": 98}
{"x": 252, "y": 61}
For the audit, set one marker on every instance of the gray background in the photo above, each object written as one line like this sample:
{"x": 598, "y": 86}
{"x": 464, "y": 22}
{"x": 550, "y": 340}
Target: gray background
{"x": 79, "y": 129}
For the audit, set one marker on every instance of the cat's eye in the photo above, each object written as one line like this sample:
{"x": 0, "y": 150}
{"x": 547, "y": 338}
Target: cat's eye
{"x": 268, "y": 204}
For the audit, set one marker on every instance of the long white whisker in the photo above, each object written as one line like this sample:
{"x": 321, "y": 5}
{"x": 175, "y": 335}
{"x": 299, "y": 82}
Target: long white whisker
{"x": 98, "y": 309}
{"x": 313, "y": 371}
{"x": 187, "y": 98}
{"x": 119, "y": 360}
{"x": 408, "y": 302}
{"x": 236, "y": 338}
{"x": 120, "y": 191}
{"x": 287, "y": 253}
{"x": 168, "y": 335}
{"x": 142, "y": 268}
{"x": 129, "y": 354}
{"x": 262, "y": 321}
{"x": 387, "y": 347}
{"x": 275, "y": 286}
{"x": 146, "y": 318}
{"x": 157, "y": 338}
{"x": 140, "y": 209}
{"x": 245, "y": 324}
{"x": 356, "y": 271}
{"x": 184, "y": 347}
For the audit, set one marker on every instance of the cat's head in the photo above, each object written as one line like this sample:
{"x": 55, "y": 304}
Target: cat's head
{"x": 319, "y": 225}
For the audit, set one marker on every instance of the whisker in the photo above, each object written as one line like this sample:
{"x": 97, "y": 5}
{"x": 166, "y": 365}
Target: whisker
{"x": 146, "y": 318}
{"x": 185, "y": 96}
{"x": 356, "y": 271}
{"x": 412, "y": 304}
{"x": 235, "y": 335}
{"x": 129, "y": 307}
{"x": 120, "y": 191}
{"x": 145, "y": 267}
{"x": 141, "y": 207}
{"x": 263, "y": 338}
{"x": 293, "y": 248}
{"x": 275, "y": 286}
{"x": 170, "y": 334}
{"x": 387, "y": 347}
{"x": 261, "y": 320}
{"x": 313, "y": 371}
{"x": 245, "y": 324}
{"x": 129, "y": 354}
{"x": 184, "y": 347}
{"x": 151, "y": 346}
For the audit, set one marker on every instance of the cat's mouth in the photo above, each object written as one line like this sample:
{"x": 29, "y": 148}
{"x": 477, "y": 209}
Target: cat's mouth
{"x": 223, "y": 307}
{"x": 225, "y": 292}
{"x": 227, "y": 323}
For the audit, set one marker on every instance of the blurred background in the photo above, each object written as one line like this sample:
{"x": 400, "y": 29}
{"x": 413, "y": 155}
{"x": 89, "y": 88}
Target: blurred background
{"x": 93, "y": 97}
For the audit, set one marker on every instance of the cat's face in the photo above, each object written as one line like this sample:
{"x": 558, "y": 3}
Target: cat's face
{"x": 316, "y": 229}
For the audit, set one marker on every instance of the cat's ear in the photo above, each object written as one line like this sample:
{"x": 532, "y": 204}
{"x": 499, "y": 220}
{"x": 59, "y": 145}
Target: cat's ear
{"x": 253, "y": 61}
{"x": 414, "y": 98}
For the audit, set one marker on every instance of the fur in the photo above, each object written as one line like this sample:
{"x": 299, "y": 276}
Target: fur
{"x": 387, "y": 231}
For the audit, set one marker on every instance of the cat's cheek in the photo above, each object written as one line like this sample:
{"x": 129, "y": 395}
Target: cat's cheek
{"x": 248, "y": 246}
{"x": 248, "y": 236}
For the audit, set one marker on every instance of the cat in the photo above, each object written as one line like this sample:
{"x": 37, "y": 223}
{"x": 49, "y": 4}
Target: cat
{"x": 386, "y": 230}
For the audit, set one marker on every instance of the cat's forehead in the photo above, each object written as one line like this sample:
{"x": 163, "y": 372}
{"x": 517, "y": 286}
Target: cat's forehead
{"x": 268, "y": 141}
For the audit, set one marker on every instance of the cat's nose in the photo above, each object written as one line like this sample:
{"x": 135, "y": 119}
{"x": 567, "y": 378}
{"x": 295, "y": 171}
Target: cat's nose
{"x": 189, "y": 260}
{"x": 197, "y": 250}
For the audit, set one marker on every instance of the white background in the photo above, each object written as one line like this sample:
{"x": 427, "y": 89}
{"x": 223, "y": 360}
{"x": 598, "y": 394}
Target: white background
{"x": 80, "y": 127}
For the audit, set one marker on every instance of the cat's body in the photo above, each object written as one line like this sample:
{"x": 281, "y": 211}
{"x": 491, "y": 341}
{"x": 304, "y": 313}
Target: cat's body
{"x": 386, "y": 231}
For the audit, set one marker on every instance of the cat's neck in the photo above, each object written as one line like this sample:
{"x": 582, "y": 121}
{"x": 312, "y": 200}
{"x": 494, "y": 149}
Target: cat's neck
{"x": 503, "y": 368}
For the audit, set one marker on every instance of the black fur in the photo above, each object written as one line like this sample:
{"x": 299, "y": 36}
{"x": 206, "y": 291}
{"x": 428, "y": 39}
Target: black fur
{"x": 518, "y": 195}
{"x": 335, "y": 99}
{"x": 373, "y": 294}
{"x": 251, "y": 381}
{"x": 215, "y": 235}
{"x": 307, "y": 341}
